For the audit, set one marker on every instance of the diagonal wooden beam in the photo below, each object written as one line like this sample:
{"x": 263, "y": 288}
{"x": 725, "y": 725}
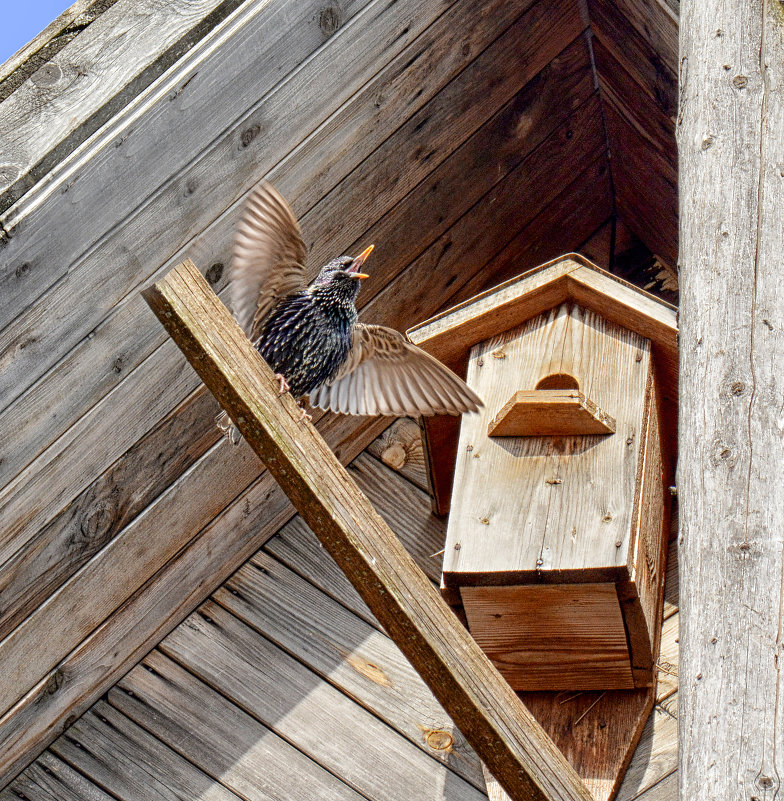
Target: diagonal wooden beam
{"x": 494, "y": 721}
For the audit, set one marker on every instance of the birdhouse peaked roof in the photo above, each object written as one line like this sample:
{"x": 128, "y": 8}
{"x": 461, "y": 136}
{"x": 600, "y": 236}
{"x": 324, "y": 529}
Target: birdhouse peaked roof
{"x": 450, "y": 335}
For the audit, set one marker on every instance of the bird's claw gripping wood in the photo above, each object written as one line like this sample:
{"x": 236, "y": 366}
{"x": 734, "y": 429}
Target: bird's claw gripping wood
{"x": 284, "y": 385}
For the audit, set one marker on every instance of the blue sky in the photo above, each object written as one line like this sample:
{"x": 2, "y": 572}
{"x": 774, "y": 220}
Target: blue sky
{"x": 23, "y": 20}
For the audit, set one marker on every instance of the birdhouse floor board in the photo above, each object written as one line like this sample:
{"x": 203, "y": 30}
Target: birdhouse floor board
{"x": 552, "y": 637}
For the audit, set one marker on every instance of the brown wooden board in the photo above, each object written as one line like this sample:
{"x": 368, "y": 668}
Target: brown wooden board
{"x": 400, "y": 447}
{"x": 400, "y": 596}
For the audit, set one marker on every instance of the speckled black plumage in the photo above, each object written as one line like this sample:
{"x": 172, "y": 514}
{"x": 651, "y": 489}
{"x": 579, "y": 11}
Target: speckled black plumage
{"x": 307, "y": 337}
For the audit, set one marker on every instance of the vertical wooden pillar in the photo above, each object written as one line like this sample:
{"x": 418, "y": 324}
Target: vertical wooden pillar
{"x": 731, "y": 471}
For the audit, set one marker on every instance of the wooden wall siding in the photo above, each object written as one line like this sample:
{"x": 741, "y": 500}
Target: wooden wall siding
{"x": 316, "y": 700}
{"x": 466, "y": 153}
{"x": 116, "y": 56}
{"x": 635, "y": 51}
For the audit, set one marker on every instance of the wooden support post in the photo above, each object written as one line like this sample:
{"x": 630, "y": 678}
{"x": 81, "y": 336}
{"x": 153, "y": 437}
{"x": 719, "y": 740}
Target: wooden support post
{"x": 494, "y": 721}
{"x": 731, "y": 154}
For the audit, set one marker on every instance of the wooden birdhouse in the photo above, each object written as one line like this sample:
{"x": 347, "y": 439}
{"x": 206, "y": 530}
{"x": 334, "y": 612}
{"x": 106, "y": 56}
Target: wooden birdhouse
{"x": 557, "y": 532}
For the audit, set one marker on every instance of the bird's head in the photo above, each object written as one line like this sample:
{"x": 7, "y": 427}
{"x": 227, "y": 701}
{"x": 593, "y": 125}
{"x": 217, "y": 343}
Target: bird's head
{"x": 344, "y": 274}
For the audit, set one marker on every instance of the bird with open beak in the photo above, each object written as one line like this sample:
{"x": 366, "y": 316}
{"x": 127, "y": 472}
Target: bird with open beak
{"x": 309, "y": 334}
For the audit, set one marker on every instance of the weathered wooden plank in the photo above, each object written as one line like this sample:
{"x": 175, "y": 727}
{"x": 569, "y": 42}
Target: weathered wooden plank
{"x": 107, "y": 506}
{"x": 656, "y": 755}
{"x": 297, "y": 547}
{"x": 631, "y": 100}
{"x": 664, "y": 790}
{"x": 127, "y": 336}
{"x": 130, "y": 763}
{"x": 81, "y": 87}
{"x": 230, "y": 538}
{"x": 669, "y": 659}
{"x": 646, "y": 187}
{"x": 657, "y": 23}
{"x": 499, "y": 728}
{"x": 51, "y": 779}
{"x": 218, "y": 737}
{"x": 308, "y": 712}
{"x": 657, "y": 78}
{"x": 348, "y": 653}
{"x": 569, "y": 219}
{"x": 441, "y": 270}
{"x": 386, "y": 58}
{"x": 731, "y": 139}
{"x": 400, "y": 447}
{"x": 201, "y": 93}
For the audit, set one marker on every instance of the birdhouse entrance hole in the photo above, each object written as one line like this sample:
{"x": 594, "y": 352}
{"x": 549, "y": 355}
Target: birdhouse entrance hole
{"x": 558, "y": 381}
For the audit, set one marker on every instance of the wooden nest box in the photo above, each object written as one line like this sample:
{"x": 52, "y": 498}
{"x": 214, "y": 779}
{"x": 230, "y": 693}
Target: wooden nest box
{"x": 557, "y": 534}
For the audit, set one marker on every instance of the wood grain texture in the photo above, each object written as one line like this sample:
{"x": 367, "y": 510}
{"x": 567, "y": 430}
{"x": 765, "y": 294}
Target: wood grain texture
{"x": 220, "y": 738}
{"x": 170, "y": 192}
{"x": 316, "y": 718}
{"x": 210, "y": 556}
{"x": 51, "y": 779}
{"x": 81, "y": 87}
{"x": 400, "y": 447}
{"x": 472, "y": 692}
{"x": 517, "y": 500}
{"x": 130, "y": 763}
{"x": 346, "y": 651}
{"x": 552, "y": 637}
{"x": 730, "y": 140}
{"x": 550, "y": 412}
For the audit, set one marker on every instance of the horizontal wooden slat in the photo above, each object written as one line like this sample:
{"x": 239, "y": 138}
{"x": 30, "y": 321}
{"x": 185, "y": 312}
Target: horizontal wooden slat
{"x": 79, "y": 88}
{"x": 230, "y": 538}
{"x": 128, "y": 336}
{"x": 311, "y": 714}
{"x": 102, "y": 510}
{"x": 349, "y": 653}
{"x": 218, "y": 737}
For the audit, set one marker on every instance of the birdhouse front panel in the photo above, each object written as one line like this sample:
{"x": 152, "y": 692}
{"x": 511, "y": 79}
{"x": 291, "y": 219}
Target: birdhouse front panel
{"x": 548, "y": 504}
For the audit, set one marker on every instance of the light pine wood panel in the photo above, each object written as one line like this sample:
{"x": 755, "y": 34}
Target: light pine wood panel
{"x": 400, "y": 447}
{"x": 51, "y": 779}
{"x": 132, "y": 764}
{"x": 128, "y": 335}
{"x": 218, "y": 737}
{"x": 90, "y": 79}
{"x": 230, "y": 538}
{"x": 576, "y": 485}
{"x": 219, "y": 168}
{"x": 350, "y": 654}
{"x": 311, "y": 714}
{"x": 730, "y": 139}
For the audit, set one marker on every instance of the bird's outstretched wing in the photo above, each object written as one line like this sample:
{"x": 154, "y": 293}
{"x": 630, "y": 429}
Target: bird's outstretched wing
{"x": 387, "y": 375}
{"x": 268, "y": 261}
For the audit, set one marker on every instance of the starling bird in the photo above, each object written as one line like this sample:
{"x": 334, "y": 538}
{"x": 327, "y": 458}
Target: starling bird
{"x": 309, "y": 335}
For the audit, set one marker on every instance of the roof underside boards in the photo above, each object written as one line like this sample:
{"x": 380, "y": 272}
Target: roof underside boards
{"x": 468, "y": 142}
{"x": 282, "y": 686}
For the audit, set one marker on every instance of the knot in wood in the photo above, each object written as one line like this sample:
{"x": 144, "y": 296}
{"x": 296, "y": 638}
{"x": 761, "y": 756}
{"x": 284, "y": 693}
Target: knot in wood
{"x": 439, "y": 740}
{"x": 214, "y": 273}
{"x": 330, "y": 19}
